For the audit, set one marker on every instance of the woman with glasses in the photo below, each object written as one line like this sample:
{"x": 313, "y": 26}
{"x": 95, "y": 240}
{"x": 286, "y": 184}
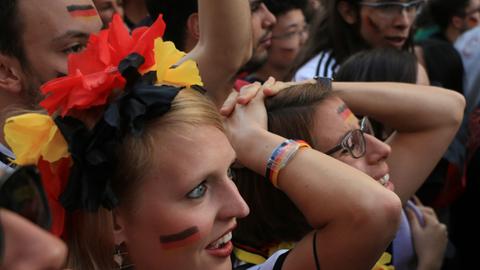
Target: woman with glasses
{"x": 425, "y": 120}
{"x": 349, "y": 26}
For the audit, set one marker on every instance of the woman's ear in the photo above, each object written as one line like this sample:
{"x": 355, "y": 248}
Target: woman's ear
{"x": 119, "y": 235}
{"x": 347, "y": 11}
{"x": 10, "y": 76}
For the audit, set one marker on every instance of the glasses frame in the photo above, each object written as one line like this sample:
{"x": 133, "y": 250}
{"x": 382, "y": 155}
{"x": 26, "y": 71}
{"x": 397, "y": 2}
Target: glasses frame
{"x": 365, "y": 125}
{"x": 402, "y": 5}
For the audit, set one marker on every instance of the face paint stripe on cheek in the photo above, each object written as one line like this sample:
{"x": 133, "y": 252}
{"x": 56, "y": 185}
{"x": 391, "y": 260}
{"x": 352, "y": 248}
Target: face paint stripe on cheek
{"x": 82, "y": 10}
{"x": 180, "y": 239}
{"x": 346, "y": 114}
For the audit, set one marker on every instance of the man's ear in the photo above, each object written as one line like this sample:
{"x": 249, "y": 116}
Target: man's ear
{"x": 10, "y": 74}
{"x": 119, "y": 236}
{"x": 347, "y": 11}
{"x": 457, "y": 23}
{"x": 193, "y": 26}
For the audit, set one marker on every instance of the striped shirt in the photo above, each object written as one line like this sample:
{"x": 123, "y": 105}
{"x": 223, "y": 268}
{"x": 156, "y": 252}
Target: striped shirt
{"x": 323, "y": 65}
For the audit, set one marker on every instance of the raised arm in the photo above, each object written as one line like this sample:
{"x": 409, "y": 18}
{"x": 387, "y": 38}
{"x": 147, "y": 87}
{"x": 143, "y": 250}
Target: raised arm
{"x": 355, "y": 218}
{"x": 224, "y": 44}
{"x": 426, "y": 119}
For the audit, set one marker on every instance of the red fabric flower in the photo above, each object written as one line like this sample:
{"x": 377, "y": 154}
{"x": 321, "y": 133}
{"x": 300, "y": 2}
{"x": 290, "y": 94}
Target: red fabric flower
{"x": 93, "y": 74}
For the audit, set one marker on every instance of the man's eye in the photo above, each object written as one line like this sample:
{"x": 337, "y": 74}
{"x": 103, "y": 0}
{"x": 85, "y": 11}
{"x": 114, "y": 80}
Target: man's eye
{"x": 198, "y": 192}
{"x": 74, "y": 49}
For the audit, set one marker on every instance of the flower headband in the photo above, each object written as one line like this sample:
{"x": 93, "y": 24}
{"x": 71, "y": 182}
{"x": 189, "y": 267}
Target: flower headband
{"x": 76, "y": 161}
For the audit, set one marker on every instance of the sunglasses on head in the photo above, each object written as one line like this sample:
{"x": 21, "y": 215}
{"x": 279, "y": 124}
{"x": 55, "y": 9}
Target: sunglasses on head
{"x": 21, "y": 192}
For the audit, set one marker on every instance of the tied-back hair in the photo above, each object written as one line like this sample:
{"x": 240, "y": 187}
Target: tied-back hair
{"x": 277, "y": 219}
{"x": 90, "y": 239}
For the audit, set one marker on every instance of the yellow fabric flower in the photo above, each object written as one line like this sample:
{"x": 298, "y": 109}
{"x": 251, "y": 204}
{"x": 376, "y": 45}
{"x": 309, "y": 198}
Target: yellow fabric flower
{"x": 382, "y": 263}
{"x": 166, "y": 55}
{"x": 31, "y": 136}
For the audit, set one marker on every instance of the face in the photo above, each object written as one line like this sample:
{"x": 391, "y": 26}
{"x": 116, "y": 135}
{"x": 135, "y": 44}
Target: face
{"x": 288, "y": 36}
{"x": 262, "y": 24}
{"x": 472, "y": 17}
{"x": 385, "y": 27}
{"x": 333, "y": 120}
{"x": 52, "y": 30}
{"x": 28, "y": 246}
{"x": 107, "y": 8}
{"x": 188, "y": 207}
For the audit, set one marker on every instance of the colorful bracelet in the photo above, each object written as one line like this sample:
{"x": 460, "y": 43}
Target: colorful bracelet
{"x": 280, "y": 157}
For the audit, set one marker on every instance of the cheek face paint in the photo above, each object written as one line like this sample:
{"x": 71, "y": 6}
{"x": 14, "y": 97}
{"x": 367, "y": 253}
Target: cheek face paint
{"x": 346, "y": 114}
{"x": 82, "y": 11}
{"x": 180, "y": 239}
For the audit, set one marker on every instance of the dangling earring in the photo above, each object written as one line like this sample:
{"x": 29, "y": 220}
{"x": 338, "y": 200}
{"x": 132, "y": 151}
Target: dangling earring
{"x": 119, "y": 257}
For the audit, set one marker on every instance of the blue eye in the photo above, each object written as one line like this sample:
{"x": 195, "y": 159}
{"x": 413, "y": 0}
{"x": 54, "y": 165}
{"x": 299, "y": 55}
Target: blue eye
{"x": 198, "y": 192}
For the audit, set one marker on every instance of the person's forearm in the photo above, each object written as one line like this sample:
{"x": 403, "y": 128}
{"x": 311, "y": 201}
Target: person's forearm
{"x": 404, "y": 107}
{"x": 353, "y": 213}
{"x": 224, "y": 45}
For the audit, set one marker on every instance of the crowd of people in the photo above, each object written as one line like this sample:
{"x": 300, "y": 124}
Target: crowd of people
{"x": 239, "y": 134}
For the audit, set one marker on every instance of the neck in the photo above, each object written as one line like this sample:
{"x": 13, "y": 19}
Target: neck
{"x": 270, "y": 70}
{"x": 135, "y": 10}
{"x": 452, "y": 33}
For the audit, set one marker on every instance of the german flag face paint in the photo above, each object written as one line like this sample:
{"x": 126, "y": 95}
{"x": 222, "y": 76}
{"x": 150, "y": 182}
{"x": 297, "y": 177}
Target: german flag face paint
{"x": 82, "y": 11}
{"x": 346, "y": 114}
{"x": 180, "y": 239}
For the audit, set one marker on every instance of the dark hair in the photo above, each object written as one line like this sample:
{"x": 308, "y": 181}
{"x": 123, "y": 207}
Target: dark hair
{"x": 280, "y": 7}
{"x": 273, "y": 217}
{"x": 175, "y": 14}
{"x": 379, "y": 65}
{"x": 10, "y": 30}
{"x": 331, "y": 32}
{"x": 382, "y": 64}
{"x": 442, "y": 11}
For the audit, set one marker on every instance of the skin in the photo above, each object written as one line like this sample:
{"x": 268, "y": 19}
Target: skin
{"x": 283, "y": 50}
{"x": 473, "y": 19}
{"x": 51, "y": 33}
{"x": 28, "y": 246}
{"x": 164, "y": 209}
{"x": 379, "y": 31}
{"x": 106, "y": 9}
{"x": 328, "y": 118}
{"x": 262, "y": 24}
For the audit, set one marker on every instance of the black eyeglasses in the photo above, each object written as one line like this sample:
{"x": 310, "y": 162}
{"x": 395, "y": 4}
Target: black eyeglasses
{"x": 21, "y": 192}
{"x": 391, "y": 9}
{"x": 353, "y": 142}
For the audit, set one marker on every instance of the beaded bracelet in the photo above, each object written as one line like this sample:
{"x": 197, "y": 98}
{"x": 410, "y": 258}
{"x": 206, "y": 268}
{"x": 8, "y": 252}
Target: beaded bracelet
{"x": 280, "y": 157}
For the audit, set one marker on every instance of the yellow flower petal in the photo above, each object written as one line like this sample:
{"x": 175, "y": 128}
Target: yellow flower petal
{"x": 185, "y": 74}
{"x": 382, "y": 263}
{"x": 31, "y": 136}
